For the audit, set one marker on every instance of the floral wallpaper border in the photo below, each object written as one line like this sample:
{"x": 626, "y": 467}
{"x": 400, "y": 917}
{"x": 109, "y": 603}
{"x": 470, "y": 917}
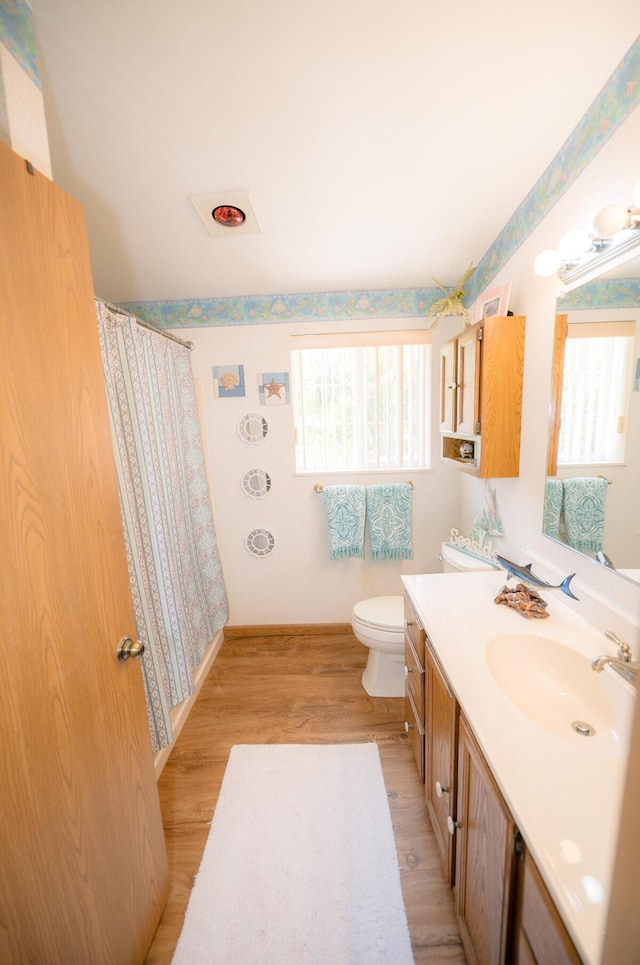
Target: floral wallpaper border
{"x": 18, "y": 34}
{"x": 609, "y": 293}
{"x": 272, "y": 309}
{"x": 615, "y": 102}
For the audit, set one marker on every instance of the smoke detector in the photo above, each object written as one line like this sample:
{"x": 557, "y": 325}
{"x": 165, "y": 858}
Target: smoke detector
{"x": 226, "y": 213}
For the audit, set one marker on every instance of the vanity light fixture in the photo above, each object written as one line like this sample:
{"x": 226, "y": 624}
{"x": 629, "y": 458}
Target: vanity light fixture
{"x": 582, "y": 256}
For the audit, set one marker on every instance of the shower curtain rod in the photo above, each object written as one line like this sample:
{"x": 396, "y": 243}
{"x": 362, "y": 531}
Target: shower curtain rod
{"x": 120, "y": 311}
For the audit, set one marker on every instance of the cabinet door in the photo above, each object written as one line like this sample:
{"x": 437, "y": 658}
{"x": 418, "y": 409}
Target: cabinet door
{"x": 448, "y": 386}
{"x": 415, "y": 730}
{"x": 441, "y": 720}
{"x": 539, "y": 934}
{"x": 485, "y": 860}
{"x": 468, "y": 382}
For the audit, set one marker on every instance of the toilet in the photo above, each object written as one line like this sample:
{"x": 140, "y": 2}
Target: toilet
{"x": 378, "y": 623}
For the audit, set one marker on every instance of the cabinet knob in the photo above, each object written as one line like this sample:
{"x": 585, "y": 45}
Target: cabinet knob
{"x": 452, "y": 825}
{"x": 407, "y": 671}
{"x": 408, "y": 726}
{"x": 454, "y": 385}
{"x": 440, "y": 790}
{"x": 408, "y": 623}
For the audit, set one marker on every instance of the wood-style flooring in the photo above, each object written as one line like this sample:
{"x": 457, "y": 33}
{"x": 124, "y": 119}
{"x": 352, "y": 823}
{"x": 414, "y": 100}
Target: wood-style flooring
{"x": 293, "y": 685}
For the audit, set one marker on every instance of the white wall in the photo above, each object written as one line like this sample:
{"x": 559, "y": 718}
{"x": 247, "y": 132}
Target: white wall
{"x": 297, "y": 582}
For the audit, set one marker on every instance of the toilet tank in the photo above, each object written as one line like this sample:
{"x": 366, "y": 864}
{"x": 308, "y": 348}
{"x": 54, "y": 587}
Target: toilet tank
{"x": 457, "y": 561}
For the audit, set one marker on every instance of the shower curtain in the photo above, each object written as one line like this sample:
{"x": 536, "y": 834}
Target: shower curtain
{"x": 176, "y": 577}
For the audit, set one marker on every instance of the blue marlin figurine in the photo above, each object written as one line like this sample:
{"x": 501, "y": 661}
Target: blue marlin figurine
{"x": 524, "y": 573}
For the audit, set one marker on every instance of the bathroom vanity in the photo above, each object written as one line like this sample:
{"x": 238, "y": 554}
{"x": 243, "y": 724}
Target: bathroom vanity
{"x": 524, "y": 807}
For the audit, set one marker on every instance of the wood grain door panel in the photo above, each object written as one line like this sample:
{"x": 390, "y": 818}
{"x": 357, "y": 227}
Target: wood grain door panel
{"x": 83, "y": 869}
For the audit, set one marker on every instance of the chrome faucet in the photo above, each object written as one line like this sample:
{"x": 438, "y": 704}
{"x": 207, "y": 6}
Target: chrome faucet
{"x": 622, "y": 663}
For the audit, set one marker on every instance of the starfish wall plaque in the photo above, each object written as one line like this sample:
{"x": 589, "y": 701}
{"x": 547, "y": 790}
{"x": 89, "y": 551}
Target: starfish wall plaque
{"x": 273, "y": 388}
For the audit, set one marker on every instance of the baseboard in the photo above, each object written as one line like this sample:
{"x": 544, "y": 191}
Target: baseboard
{"x": 181, "y": 711}
{"x": 285, "y": 629}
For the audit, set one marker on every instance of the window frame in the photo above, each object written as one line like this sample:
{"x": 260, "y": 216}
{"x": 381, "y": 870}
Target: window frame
{"x": 363, "y": 340}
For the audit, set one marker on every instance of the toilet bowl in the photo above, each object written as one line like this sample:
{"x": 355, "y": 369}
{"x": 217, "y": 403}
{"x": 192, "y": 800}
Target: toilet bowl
{"x": 378, "y": 623}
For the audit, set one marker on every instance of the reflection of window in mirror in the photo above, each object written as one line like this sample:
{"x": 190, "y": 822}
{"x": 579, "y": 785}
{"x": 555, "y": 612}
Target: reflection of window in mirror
{"x": 591, "y": 405}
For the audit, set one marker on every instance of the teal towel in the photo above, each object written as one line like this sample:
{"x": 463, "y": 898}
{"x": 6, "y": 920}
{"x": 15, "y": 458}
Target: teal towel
{"x": 389, "y": 517}
{"x": 553, "y": 493}
{"x": 583, "y": 506}
{"x": 345, "y": 506}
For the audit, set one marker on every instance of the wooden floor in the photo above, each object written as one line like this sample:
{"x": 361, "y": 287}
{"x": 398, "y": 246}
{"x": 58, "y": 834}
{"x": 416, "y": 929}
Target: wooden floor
{"x": 288, "y": 688}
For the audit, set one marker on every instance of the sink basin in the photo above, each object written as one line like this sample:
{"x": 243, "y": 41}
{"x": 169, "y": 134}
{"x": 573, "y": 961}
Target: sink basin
{"x": 556, "y": 687}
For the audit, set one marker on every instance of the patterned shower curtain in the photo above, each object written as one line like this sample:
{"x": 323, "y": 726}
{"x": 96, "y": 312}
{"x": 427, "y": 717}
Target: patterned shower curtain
{"x": 176, "y": 577}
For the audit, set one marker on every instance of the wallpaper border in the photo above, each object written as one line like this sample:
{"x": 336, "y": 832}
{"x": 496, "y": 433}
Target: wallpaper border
{"x": 18, "y": 34}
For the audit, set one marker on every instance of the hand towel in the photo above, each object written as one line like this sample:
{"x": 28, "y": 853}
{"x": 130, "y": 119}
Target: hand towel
{"x": 389, "y": 519}
{"x": 553, "y": 495}
{"x": 345, "y": 506}
{"x": 583, "y": 506}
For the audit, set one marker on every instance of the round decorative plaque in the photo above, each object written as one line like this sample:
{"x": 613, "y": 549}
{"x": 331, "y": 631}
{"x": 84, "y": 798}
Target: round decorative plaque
{"x": 256, "y": 483}
{"x": 260, "y": 542}
{"x": 252, "y": 428}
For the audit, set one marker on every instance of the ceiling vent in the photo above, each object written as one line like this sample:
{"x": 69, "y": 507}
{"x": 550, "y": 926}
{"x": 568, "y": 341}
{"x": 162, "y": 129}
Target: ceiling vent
{"x": 226, "y": 213}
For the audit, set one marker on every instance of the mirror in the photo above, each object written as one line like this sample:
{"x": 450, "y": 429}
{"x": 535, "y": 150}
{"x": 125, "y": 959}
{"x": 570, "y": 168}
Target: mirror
{"x": 256, "y": 483}
{"x": 603, "y": 304}
{"x": 252, "y": 428}
{"x": 592, "y": 507}
{"x": 260, "y": 542}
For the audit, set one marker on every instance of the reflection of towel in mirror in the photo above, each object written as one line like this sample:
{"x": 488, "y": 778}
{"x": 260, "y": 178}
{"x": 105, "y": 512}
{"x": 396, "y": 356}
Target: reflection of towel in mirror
{"x": 553, "y": 493}
{"x": 389, "y": 520}
{"x": 345, "y": 506}
{"x": 583, "y": 506}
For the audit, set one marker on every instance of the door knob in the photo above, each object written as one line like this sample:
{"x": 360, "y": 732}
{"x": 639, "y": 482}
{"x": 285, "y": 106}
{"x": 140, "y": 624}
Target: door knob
{"x": 127, "y": 648}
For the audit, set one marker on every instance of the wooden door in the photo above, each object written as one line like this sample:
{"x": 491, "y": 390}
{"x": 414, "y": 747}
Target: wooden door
{"x": 485, "y": 858}
{"x": 83, "y": 869}
{"x": 441, "y": 726}
{"x": 468, "y": 379}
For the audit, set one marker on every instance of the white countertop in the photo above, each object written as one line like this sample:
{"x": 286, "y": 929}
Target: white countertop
{"x": 564, "y": 793}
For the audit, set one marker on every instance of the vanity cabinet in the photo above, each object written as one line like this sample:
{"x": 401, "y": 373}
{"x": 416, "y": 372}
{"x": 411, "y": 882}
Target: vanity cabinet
{"x": 485, "y": 857}
{"x": 481, "y": 376}
{"x": 539, "y": 934}
{"x": 414, "y": 672}
{"x": 504, "y": 911}
{"x": 441, "y": 728}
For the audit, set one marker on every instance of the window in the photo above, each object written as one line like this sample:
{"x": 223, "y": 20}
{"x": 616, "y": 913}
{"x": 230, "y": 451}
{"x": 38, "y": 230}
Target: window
{"x": 597, "y": 369}
{"x": 361, "y": 401}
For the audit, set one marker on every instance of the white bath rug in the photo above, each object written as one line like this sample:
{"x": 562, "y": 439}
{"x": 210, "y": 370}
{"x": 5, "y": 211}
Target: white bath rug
{"x": 300, "y": 867}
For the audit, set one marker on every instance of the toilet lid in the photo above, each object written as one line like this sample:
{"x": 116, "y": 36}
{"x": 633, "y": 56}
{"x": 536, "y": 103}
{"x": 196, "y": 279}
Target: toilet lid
{"x": 383, "y": 612}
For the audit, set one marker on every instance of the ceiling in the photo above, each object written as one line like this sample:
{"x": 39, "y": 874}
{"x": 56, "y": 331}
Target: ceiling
{"x": 384, "y": 143}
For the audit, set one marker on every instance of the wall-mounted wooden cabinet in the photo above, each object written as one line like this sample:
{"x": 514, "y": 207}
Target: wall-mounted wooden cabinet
{"x": 481, "y": 376}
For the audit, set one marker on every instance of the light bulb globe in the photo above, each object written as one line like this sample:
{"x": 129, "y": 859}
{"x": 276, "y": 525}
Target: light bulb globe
{"x": 574, "y": 244}
{"x": 611, "y": 220}
{"x": 547, "y": 263}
